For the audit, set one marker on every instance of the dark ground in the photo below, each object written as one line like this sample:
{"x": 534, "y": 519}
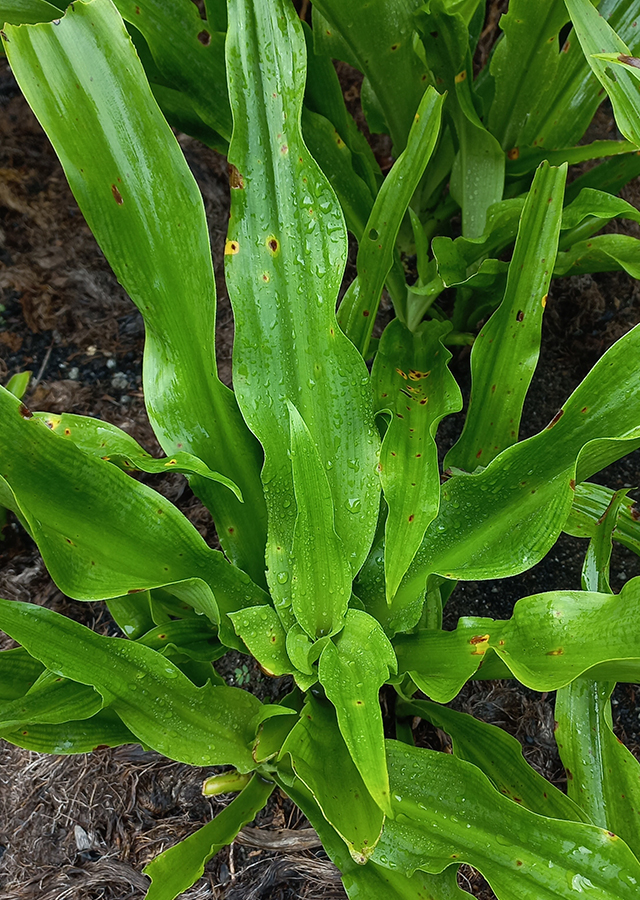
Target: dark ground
{"x": 83, "y": 827}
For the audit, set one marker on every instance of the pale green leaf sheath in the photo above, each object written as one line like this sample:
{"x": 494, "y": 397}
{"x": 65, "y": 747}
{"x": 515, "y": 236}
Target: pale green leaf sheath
{"x": 413, "y": 383}
{"x": 86, "y": 85}
{"x": 285, "y": 256}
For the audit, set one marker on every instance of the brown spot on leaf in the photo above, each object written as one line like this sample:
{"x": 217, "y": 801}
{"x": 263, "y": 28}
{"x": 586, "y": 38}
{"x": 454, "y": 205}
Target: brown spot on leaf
{"x": 558, "y": 652}
{"x": 24, "y": 412}
{"x": 520, "y": 315}
{"x": 629, "y": 60}
{"x": 117, "y": 196}
{"x": 272, "y": 244}
{"x": 555, "y": 419}
{"x": 205, "y": 38}
{"x": 411, "y": 517}
{"x": 236, "y": 180}
{"x": 514, "y": 153}
{"x": 365, "y": 313}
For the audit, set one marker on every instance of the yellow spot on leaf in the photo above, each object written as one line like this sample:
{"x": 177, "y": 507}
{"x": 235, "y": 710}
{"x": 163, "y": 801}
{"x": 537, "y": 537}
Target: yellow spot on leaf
{"x": 231, "y": 248}
{"x": 461, "y": 76}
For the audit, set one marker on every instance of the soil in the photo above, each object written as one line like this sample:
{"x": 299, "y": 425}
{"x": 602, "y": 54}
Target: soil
{"x": 85, "y": 826}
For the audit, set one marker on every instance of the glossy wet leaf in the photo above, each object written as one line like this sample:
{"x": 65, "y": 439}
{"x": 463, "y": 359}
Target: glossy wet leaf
{"x": 177, "y": 868}
{"x": 198, "y": 726}
{"x": 373, "y": 881}
{"x": 352, "y": 669}
{"x": 596, "y": 37}
{"x": 590, "y": 503}
{"x": 411, "y": 381}
{"x": 568, "y": 102}
{"x": 18, "y": 673}
{"x": 188, "y": 52}
{"x": 320, "y": 572}
{"x": 379, "y": 37}
{"x": 359, "y": 307}
{"x": 477, "y": 176}
{"x": 602, "y": 253}
{"x": 599, "y": 204}
{"x": 85, "y": 736}
{"x": 529, "y": 159}
{"x": 52, "y": 700}
{"x": 522, "y": 855}
{"x": 27, "y": 12}
{"x": 322, "y": 762}
{"x": 286, "y": 251}
{"x": 192, "y": 637}
{"x": 549, "y": 641}
{"x": 262, "y": 632}
{"x": 505, "y": 353}
{"x": 505, "y": 518}
{"x": 103, "y": 534}
{"x": 123, "y": 165}
{"x": 108, "y": 442}
{"x": 499, "y": 756}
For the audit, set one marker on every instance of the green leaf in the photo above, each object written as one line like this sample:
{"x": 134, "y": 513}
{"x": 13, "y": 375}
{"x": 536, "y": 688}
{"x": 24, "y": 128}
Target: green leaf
{"x": 18, "y": 384}
{"x": 320, "y": 572}
{"x": 567, "y": 104}
{"x": 359, "y": 307}
{"x": 123, "y": 165}
{"x": 194, "y": 638}
{"x": 322, "y": 762}
{"x": 175, "y": 870}
{"x": 110, "y": 443}
{"x": 499, "y": 756}
{"x": 262, "y": 632}
{"x": 27, "y": 12}
{"x": 412, "y": 382}
{"x": 132, "y": 613}
{"x": 597, "y": 37}
{"x": 528, "y": 159}
{"x": 188, "y": 52}
{"x": 285, "y": 256}
{"x": 335, "y": 159}
{"x": 504, "y": 519}
{"x": 103, "y": 534}
{"x": 595, "y": 570}
{"x": 549, "y": 641}
{"x": 199, "y": 726}
{"x": 602, "y": 253}
{"x": 522, "y": 855}
{"x": 52, "y": 700}
{"x": 505, "y": 353}
{"x": 373, "y": 881}
{"x": 590, "y": 502}
{"x": 352, "y": 669}
{"x": 378, "y": 37}
{"x": 477, "y": 177}
{"x": 599, "y": 204}
{"x": 85, "y": 736}
{"x": 603, "y": 777}
{"x": 525, "y": 59}
{"x": 18, "y": 673}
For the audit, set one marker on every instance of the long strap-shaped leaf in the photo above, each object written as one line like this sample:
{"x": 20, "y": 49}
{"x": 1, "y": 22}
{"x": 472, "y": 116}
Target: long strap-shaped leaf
{"x": 549, "y": 641}
{"x": 602, "y": 775}
{"x": 376, "y": 251}
{"x": 597, "y": 37}
{"x": 506, "y": 351}
{"x": 196, "y": 725}
{"x": 101, "y": 533}
{"x": 87, "y": 87}
{"x": 505, "y": 518}
{"x": 522, "y": 855}
{"x": 412, "y": 382}
{"x": 175, "y": 870}
{"x": 379, "y": 37}
{"x": 285, "y": 256}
